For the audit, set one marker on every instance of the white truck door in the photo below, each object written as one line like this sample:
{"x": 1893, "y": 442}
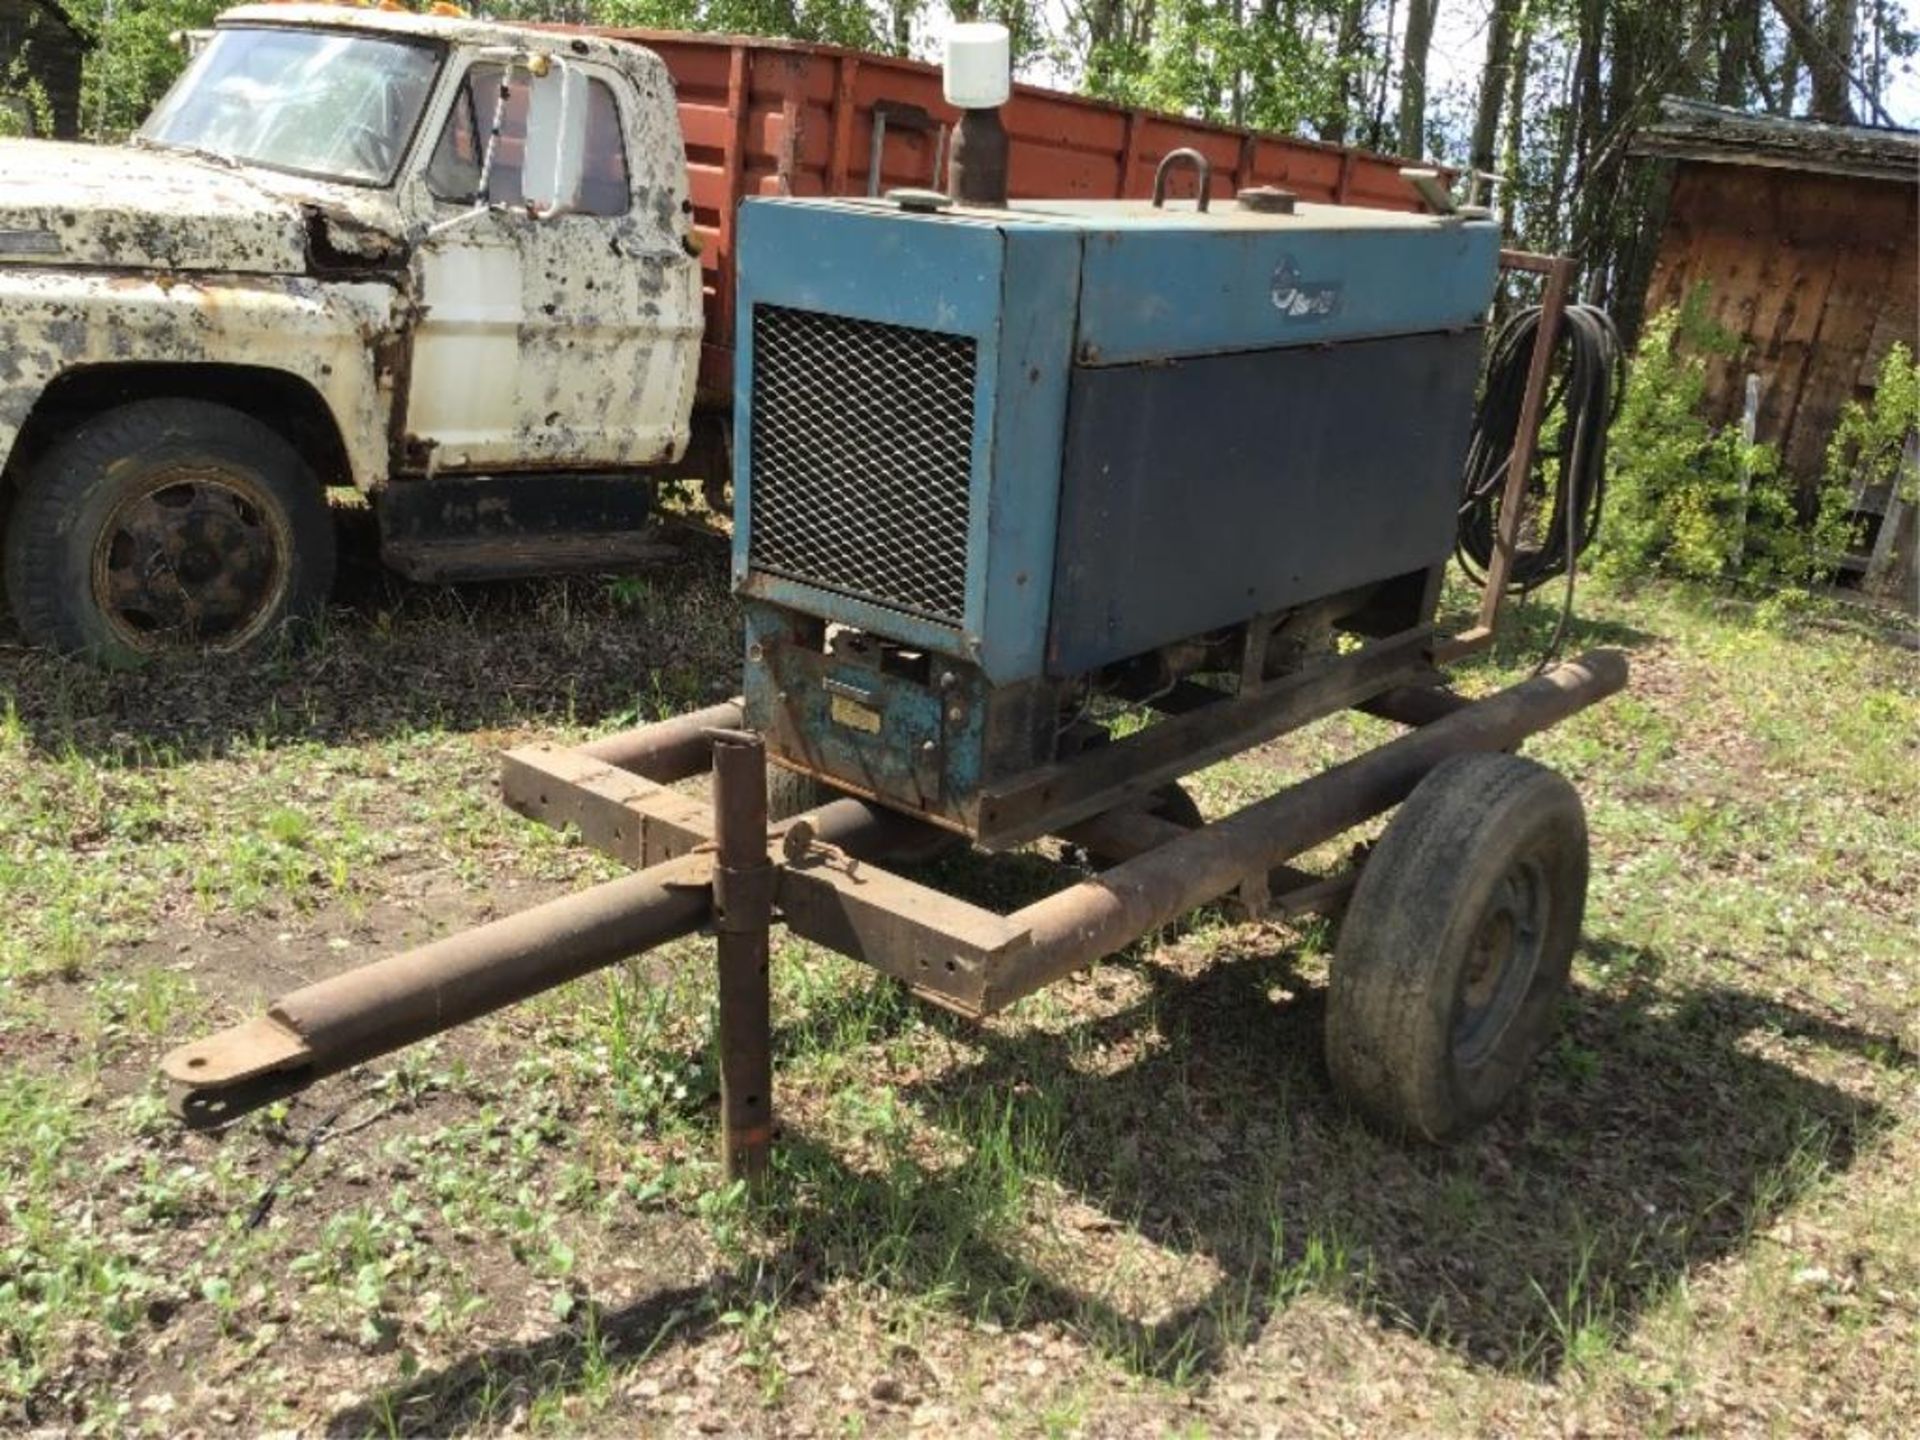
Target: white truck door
{"x": 550, "y": 342}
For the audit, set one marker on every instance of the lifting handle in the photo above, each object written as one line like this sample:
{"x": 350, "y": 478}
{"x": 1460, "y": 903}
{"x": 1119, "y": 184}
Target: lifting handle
{"x": 1201, "y": 168}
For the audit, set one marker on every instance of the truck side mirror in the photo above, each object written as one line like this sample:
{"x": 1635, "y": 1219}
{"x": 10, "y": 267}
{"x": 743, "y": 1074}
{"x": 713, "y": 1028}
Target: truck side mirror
{"x": 555, "y": 167}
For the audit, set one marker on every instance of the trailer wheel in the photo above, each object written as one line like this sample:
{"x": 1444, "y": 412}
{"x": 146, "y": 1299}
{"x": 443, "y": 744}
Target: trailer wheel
{"x": 1455, "y": 949}
{"x": 167, "y": 527}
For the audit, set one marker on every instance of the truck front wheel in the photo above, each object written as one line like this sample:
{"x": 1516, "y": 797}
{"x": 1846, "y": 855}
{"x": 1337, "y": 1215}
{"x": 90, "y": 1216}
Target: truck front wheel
{"x": 167, "y": 527}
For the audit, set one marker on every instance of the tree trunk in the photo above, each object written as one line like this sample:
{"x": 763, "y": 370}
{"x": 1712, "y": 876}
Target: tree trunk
{"x": 1103, "y": 25}
{"x": 1581, "y": 132}
{"x": 1237, "y": 102}
{"x": 1521, "y": 56}
{"x": 1739, "y": 51}
{"x": 1832, "y": 82}
{"x": 1701, "y": 35}
{"x": 1413, "y": 77}
{"x": 1376, "y": 127}
{"x": 1827, "y": 51}
{"x": 1493, "y": 83}
{"x": 1346, "y": 55}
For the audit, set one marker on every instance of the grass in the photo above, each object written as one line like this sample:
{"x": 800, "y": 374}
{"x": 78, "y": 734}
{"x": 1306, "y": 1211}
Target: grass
{"x": 1131, "y": 1206}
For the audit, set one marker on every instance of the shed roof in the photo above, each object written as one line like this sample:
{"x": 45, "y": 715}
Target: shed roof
{"x": 1695, "y": 130}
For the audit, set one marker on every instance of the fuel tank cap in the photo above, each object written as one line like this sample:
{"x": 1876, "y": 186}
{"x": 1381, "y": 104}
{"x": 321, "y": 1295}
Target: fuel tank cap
{"x": 1266, "y": 200}
{"x": 919, "y": 201}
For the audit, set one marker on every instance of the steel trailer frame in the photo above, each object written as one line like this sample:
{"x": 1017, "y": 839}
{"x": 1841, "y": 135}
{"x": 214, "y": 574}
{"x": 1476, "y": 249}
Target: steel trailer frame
{"x": 717, "y": 863}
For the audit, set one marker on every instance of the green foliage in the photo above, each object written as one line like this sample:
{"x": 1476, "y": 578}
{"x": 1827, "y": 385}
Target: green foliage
{"x": 1870, "y": 441}
{"x": 837, "y": 22}
{"x": 14, "y": 117}
{"x": 24, "y": 106}
{"x": 23, "y": 103}
{"x": 134, "y": 58}
{"x": 1202, "y": 59}
{"x": 1675, "y": 483}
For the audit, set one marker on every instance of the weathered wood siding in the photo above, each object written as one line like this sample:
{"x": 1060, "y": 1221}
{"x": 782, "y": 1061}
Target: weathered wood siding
{"x": 1817, "y": 274}
{"x": 36, "y": 32}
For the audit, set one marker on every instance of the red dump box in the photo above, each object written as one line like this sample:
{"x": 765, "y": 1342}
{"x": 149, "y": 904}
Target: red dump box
{"x": 777, "y": 117}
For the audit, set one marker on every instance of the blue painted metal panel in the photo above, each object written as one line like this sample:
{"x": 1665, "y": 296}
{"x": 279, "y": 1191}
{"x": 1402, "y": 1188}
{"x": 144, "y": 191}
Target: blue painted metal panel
{"x": 1010, "y": 287}
{"x": 1051, "y": 291}
{"x": 1149, "y": 294}
{"x": 1014, "y": 549}
{"x": 1199, "y": 492}
{"x": 866, "y": 265}
{"x": 888, "y": 738}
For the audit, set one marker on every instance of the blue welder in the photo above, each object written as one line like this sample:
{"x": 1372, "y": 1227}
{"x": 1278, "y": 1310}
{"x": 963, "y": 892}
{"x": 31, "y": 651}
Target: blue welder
{"x": 998, "y": 463}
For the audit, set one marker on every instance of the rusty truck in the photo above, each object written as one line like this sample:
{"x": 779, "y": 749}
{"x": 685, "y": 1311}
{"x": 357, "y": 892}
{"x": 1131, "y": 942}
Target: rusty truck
{"x": 481, "y": 274}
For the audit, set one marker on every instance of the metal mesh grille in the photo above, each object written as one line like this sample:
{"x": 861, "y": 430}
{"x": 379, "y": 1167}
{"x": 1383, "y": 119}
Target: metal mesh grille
{"x": 862, "y": 454}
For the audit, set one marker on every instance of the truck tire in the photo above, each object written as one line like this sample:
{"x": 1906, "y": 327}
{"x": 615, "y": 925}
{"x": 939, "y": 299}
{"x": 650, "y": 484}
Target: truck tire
{"x": 167, "y": 527}
{"x": 1455, "y": 949}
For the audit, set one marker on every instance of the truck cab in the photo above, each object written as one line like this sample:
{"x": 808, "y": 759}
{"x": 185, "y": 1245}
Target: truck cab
{"x": 449, "y": 264}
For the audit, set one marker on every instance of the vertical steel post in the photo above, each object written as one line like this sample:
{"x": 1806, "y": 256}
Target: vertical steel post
{"x": 743, "y": 880}
{"x": 1553, "y": 304}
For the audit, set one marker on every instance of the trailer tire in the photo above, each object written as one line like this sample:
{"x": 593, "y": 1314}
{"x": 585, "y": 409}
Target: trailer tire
{"x": 167, "y": 527}
{"x": 1454, "y": 952}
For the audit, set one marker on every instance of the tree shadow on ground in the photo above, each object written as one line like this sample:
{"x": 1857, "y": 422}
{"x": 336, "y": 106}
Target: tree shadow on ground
{"x": 1653, "y": 1141}
{"x": 393, "y": 658}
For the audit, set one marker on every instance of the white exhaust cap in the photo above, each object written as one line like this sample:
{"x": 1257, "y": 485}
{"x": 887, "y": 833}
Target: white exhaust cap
{"x": 979, "y": 66}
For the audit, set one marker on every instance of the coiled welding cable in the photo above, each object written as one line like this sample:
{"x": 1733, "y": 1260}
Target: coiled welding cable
{"x": 1585, "y": 396}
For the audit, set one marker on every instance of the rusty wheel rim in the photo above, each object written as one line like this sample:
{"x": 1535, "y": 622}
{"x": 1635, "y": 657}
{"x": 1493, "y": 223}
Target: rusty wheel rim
{"x": 191, "y": 560}
{"x": 1502, "y": 960}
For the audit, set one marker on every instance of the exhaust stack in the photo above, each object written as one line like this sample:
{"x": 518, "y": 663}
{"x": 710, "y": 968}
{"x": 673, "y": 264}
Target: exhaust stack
{"x": 978, "y": 80}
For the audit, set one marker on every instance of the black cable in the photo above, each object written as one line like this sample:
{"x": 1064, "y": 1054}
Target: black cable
{"x": 1587, "y": 393}
{"x": 326, "y": 1130}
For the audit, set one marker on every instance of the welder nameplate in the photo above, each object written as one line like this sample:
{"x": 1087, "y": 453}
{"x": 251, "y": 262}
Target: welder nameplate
{"x": 853, "y": 714}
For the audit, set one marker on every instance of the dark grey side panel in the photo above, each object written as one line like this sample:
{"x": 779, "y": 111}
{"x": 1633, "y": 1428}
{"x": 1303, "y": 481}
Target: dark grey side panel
{"x": 1198, "y": 493}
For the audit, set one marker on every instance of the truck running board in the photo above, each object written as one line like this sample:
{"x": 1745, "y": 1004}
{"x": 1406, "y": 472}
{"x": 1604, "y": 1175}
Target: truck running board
{"x": 486, "y": 527}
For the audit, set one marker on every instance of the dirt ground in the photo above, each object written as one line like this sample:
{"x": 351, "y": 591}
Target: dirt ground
{"x": 1132, "y": 1206}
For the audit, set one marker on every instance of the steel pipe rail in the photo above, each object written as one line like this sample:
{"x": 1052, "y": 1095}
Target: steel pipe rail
{"x": 668, "y": 750}
{"x": 326, "y": 1027}
{"x": 1079, "y": 925}
{"x": 743, "y": 887}
{"x": 334, "y": 1024}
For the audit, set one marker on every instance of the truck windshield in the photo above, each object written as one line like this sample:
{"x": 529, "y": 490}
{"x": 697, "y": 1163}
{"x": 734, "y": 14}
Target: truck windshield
{"x": 340, "y": 107}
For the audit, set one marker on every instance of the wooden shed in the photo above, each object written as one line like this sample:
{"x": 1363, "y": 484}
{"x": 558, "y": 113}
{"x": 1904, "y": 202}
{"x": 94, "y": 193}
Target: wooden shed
{"x": 39, "y": 44}
{"x": 1808, "y": 238}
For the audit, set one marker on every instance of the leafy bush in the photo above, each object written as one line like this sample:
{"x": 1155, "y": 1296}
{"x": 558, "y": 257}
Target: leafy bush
{"x": 1870, "y": 441}
{"x": 1689, "y": 499}
{"x": 1674, "y": 482}
{"x": 23, "y": 100}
